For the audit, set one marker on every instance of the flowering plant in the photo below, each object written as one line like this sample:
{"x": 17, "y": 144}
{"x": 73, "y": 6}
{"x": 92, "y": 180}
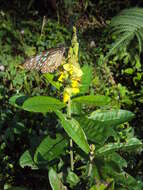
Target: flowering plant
{"x": 89, "y": 139}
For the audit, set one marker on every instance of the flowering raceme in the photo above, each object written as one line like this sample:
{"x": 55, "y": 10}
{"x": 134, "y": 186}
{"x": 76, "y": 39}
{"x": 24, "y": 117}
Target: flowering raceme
{"x": 71, "y": 70}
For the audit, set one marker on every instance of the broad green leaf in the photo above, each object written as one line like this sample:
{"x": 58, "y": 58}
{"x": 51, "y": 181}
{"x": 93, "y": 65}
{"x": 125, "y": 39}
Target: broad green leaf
{"x": 76, "y": 109}
{"x": 72, "y": 179}
{"x": 86, "y": 78}
{"x": 131, "y": 144}
{"x": 97, "y": 100}
{"x": 42, "y": 104}
{"x": 55, "y": 182}
{"x": 26, "y": 160}
{"x": 49, "y": 149}
{"x": 118, "y": 160}
{"x": 74, "y": 130}
{"x": 95, "y": 131}
{"x": 111, "y": 117}
{"x": 17, "y": 100}
{"x": 127, "y": 181}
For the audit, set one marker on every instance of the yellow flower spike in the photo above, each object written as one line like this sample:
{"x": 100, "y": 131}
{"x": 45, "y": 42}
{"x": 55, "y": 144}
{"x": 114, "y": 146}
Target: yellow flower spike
{"x": 72, "y": 71}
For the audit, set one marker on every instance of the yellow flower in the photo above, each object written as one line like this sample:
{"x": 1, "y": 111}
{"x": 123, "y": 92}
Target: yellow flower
{"x": 61, "y": 77}
{"x": 64, "y": 75}
{"x": 66, "y": 97}
{"x": 77, "y": 71}
{"x": 67, "y": 94}
{"x": 74, "y": 83}
{"x": 75, "y": 90}
{"x": 67, "y": 67}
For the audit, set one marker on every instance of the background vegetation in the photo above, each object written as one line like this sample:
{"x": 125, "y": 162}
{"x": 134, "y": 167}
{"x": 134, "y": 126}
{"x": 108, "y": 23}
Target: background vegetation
{"x": 110, "y": 55}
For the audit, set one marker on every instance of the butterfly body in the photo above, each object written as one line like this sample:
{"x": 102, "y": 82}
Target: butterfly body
{"x": 47, "y": 61}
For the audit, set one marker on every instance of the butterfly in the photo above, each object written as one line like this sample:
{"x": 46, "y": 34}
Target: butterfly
{"x": 47, "y": 61}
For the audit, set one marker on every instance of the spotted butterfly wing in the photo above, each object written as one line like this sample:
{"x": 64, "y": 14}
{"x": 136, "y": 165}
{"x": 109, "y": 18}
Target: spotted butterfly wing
{"x": 47, "y": 61}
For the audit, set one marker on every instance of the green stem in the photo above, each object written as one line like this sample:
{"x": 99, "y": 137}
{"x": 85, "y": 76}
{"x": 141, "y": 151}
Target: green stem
{"x": 91, "y": 157}
{"x": 71, "y": 155}
{"x": 71, "y": 142}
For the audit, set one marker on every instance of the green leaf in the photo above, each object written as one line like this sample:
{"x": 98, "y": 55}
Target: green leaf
{"x": 55, "y": 182}
{"x": 76, "y": 109}
{"x": 49, "y": 78}
{"x": 125, "y": 30}
{"x": 97, "y": 100}
{"x": 17, "y": 100}
{"x": 111, "y": 117}
{"x": 95, "y": 130}
{"x": 138, "y": 63}
{"x": 127, "y": 181}
{"x": 26, "y": 160}
{"x": 49, "y": 149}
{"x": 72, "y": 179}
{"x": 131, "y": 144}
{"x": 86, "y": 79}
{"x": 99, "y": 187}
{"x": 118, "y": 160}
{"x": 129, "y": 71}
{"x": 74, "y": 130}
{"x": 108, "y": 185}
{"x": 42, "y": 104}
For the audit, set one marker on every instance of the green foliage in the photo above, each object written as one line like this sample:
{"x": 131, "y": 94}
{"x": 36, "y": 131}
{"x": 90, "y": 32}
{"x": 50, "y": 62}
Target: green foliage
{"x": 42, "y": 104}
{"x": 111, "y": 117}
{"x": 55, "y": 182}
{"x": 26, "y": 160}
{"x": 86, "y": 79}
{"x": 41, "y": 141}
{"x": 50, "y": 149}
{"x": 128, "y": 25}
{"x": 98, "y": 128}
{"x": 129, "y": 145}
{"x": 74, "y": 130}
{"x": 97, "y": 100}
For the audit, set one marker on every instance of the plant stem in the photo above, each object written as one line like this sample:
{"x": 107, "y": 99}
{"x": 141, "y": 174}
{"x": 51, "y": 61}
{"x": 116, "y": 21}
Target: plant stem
{"x": 43, "y": 25}
{"x": 71, "y": 155}
{"x": 92, "y": 149}
{"x": 71, "y": 142}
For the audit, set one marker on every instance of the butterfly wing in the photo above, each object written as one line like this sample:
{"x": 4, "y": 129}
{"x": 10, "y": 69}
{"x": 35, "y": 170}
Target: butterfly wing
{"x": 53, "y": 61}
{"x": 34, "y": 62}
{"x": 47, "y": 61}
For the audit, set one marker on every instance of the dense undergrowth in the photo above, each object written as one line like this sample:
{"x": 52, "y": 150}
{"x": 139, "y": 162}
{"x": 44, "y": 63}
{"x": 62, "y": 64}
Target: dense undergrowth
{"x": 25, "y": 32}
